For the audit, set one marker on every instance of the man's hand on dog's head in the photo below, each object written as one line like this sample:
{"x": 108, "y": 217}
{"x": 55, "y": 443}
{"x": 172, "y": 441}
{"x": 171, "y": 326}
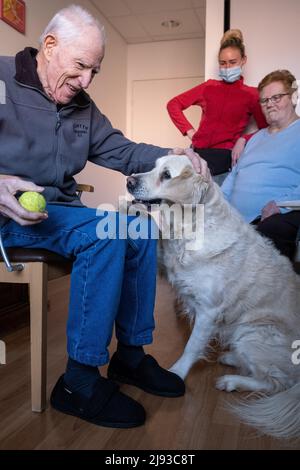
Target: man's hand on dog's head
{"x": 198, "y": 163}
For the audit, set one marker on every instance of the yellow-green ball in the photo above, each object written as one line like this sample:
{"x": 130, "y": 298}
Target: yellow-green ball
{"x": 33, "y": 201}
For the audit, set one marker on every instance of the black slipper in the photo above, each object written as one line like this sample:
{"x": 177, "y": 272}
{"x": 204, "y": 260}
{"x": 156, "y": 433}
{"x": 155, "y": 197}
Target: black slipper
{"x": 107, "y": 406}
{"x": 148, "y": 376}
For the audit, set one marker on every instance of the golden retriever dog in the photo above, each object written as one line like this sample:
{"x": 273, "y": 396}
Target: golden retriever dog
{"x": 235, "y": 286}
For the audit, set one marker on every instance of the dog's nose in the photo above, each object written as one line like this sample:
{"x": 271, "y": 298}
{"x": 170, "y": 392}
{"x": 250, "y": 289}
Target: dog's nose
{"x": 131, "y": 183}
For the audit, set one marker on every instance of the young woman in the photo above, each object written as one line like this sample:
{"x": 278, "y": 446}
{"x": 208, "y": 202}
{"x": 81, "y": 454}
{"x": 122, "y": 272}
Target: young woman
{"x": 227, "y": 106}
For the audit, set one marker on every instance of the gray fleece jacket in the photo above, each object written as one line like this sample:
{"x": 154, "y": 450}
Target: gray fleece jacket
{"x": 49, "y": 145}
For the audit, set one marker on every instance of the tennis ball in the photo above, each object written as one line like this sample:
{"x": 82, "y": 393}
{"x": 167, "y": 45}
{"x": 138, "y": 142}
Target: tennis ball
{"x": 33, "y": 201}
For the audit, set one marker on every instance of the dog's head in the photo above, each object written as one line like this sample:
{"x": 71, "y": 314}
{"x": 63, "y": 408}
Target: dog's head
{"x": 173, "y": 179}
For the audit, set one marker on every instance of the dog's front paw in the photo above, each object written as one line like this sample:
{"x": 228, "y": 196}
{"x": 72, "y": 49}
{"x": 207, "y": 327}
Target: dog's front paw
{"x": 226, "y": 383}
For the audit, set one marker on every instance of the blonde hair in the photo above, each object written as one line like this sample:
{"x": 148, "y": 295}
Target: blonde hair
{"x": 233, "y": 38}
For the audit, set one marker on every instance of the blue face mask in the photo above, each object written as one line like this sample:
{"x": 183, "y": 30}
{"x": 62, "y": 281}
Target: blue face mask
{"x": 230, "y": 75}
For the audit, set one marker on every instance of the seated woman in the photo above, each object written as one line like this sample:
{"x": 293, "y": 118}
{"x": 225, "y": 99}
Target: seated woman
{"x": 269, "y": 168}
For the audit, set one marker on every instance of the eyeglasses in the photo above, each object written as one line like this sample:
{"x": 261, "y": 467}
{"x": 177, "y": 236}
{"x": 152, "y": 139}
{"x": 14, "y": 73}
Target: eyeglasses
{"x": 273, "y": 99}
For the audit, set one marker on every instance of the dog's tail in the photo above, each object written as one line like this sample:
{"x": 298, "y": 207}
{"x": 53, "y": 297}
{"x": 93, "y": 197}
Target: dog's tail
{"x": 277, "y": 415}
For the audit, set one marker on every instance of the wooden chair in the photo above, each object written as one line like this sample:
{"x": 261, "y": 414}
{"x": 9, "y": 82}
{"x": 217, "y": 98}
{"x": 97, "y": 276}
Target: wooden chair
{"x": 36, "y": 267}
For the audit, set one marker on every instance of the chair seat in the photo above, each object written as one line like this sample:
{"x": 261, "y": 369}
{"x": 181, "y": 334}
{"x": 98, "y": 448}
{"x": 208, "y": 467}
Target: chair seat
{"x": 29, "y": 255}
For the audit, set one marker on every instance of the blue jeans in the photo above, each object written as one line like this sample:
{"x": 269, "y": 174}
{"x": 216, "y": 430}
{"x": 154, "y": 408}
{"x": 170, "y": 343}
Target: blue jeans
{"x": 112, "y": 281}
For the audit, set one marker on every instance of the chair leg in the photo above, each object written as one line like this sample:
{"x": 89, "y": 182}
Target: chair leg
{"x": 38, "y": 334}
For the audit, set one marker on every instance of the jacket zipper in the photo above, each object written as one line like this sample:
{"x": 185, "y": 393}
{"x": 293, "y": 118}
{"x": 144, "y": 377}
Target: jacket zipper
{"x": 58, "y": 122}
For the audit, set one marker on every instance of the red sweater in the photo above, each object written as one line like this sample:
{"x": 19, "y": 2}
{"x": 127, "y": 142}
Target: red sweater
{"x": 226, "y": 110}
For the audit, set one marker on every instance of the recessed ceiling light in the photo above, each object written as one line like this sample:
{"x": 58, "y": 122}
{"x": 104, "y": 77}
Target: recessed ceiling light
{"x": 170, "y": 24}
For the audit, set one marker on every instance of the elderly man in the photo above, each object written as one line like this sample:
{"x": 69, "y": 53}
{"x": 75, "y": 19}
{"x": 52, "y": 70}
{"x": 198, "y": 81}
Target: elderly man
{"x": 49, "y": 129}
{"x": 269, "y": 168}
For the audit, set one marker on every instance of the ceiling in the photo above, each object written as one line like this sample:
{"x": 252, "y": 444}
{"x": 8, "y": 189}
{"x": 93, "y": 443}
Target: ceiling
{"x": 139, "y": 21}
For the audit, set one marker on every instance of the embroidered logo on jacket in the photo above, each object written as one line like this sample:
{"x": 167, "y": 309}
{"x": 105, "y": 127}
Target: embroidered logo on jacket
{"x": 80, "y": 129}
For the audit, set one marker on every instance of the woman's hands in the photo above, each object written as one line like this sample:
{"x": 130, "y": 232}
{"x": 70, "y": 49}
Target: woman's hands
{"x": 269, "y": 209}
{"x": 191, "y": 133}
{"x": 237, "y": 150}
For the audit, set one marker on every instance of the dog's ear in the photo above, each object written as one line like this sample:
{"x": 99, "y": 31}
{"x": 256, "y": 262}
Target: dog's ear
{"x": 201, "y": 186}
{"x": 186, "y": 172}
{"x": 199, "y": 182}
{"x": 197, "y": 178}
{"x": 201, "y": 179}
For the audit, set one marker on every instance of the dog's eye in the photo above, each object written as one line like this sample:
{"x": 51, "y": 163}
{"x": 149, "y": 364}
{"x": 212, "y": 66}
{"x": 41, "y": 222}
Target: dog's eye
{"x": 166, "y": 175}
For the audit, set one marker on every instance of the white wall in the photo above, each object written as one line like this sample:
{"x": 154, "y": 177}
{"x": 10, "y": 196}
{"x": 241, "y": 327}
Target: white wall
{"x": 214, "y": 30}
{"x": 271, "y": 31}
{"x": 169, "y": 67}
{"x": 108, "y": 89}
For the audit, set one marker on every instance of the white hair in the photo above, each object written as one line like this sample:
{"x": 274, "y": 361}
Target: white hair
{"x": 68, "y": 23}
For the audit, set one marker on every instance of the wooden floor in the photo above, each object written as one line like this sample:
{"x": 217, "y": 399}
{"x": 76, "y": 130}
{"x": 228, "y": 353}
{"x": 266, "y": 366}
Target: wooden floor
{"x": 196, "y": 421}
